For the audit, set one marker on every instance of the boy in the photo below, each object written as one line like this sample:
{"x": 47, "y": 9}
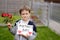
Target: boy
{"x": 25, "y": 20}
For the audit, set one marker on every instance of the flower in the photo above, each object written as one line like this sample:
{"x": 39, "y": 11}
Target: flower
{"x": 30, "y": 33}
{"x": 19, "y": 31}
{"x": 34, "y": 17}
{"x": 4, "y": 14}
{"x": 7, "y": 17}
{"x": 10, "y": 16}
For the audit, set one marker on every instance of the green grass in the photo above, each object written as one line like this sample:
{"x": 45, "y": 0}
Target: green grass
{"x": 43, "y": 33}
{"x": 5, "y": 34}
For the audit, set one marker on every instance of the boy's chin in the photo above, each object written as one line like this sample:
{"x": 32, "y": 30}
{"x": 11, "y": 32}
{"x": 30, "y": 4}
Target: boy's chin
{"x": 25, "y": 19}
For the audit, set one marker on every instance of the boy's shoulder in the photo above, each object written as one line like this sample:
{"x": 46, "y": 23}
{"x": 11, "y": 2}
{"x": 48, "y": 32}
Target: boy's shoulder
{"x": 18, "y": 20}
{"x": 31, "y": 22}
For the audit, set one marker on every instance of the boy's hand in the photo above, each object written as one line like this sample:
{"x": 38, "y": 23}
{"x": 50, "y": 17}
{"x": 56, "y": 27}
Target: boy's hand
{"x": 26, "y": 36}
{"x": 9, "y": 25}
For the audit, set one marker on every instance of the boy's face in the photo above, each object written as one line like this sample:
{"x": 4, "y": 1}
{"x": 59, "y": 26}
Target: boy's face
{"x": 25, "y": 15}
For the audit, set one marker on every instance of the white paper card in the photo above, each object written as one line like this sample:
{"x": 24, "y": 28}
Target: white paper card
{"x": 25, "y": 29}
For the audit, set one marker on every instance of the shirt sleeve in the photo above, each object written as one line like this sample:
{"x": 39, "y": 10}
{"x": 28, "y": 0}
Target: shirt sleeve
{"x": 13, "y": 29}
{"x": 34, "y": 27}
{"x": 33, "y": 36}
{"x": 34, "y": 33}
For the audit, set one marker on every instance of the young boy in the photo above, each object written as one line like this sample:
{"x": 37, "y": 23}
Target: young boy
{"x": 25, "y": 20}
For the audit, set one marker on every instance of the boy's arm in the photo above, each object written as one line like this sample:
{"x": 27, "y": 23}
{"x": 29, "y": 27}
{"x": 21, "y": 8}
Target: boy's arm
{"x": 34, "y": 33}
{"x": 33, "y": 36}
{"x": 13, "y": 29}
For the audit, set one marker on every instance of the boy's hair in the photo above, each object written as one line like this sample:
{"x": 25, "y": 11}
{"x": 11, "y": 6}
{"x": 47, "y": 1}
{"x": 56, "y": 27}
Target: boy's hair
{"x": 25, "y": 8}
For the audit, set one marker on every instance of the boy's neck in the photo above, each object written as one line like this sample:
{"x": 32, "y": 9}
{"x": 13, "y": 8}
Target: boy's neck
{"x": 25, "y": 20}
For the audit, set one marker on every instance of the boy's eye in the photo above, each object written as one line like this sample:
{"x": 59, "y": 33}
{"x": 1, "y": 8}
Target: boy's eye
{"x": 26, "y": 13}
{"x": 23, "y": 14}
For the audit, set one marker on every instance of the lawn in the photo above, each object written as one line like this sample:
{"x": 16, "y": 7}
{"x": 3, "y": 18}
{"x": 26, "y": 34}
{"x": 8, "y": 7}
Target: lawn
{"x": 43, "y": 33}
